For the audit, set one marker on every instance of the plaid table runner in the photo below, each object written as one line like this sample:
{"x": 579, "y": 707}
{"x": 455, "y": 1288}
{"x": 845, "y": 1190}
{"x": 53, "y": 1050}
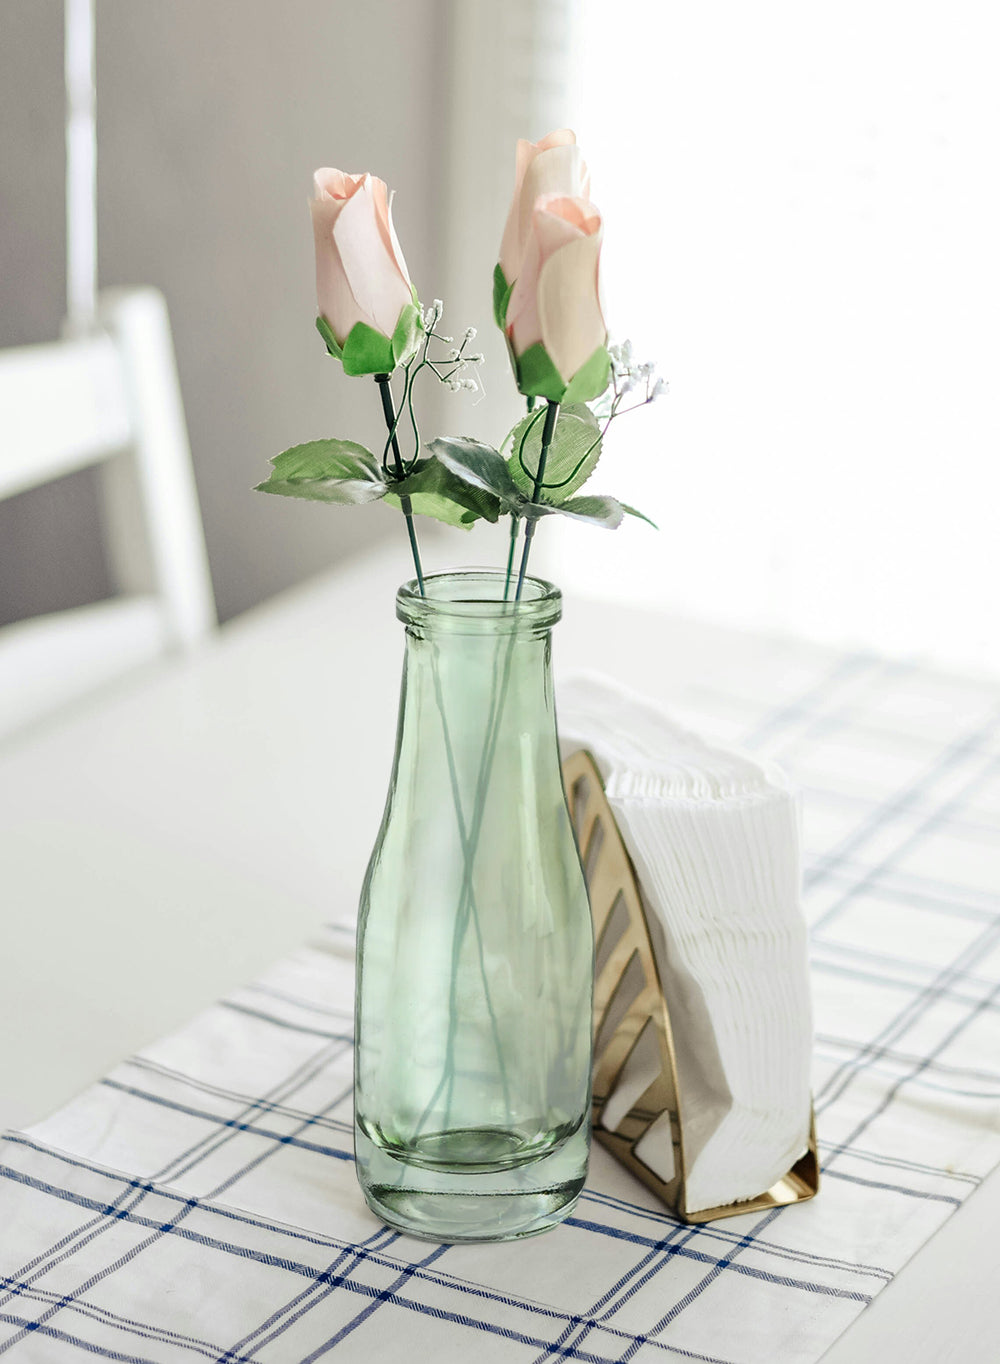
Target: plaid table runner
{"x": 200, "y": 1201}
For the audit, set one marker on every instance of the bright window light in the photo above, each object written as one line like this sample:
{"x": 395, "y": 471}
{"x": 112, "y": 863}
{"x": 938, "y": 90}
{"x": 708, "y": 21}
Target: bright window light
{"x": 802, "y": 209}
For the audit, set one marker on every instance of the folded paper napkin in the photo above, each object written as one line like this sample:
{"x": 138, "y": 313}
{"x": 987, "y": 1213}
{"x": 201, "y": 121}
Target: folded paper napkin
{"x": 714, "y": 836}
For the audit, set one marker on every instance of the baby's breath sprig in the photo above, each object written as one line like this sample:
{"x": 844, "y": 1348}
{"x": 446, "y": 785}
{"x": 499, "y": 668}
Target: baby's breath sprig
{"x": 627, "y": 376}
{"x": 450, "y": 369}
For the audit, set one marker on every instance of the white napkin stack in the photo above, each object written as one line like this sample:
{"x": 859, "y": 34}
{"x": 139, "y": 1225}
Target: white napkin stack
{"x": 714, "y": 836}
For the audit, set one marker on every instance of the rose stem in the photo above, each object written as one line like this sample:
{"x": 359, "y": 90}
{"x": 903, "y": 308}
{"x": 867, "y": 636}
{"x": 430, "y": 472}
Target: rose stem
{"x": 548, "y": 430}
{"x": 390, "y": 420}
{"x": 514, "y": 524}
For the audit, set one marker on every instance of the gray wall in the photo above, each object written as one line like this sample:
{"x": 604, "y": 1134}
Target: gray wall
{"x": 212, "y": 116}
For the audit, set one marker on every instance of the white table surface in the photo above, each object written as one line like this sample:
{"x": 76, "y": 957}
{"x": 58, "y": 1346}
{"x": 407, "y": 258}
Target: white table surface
{"x": 164, "y": 842}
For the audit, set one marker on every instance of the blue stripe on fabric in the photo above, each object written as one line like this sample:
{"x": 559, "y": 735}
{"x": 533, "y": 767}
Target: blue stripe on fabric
{"x": 716, "y": 1231}
{"x": 583, "y": 1324}
{"x": 717, "y": 1269}
{"x": 89, "y": 1346}
{"x": 290, "y": 1312}
{"x": 237, "y": 1096}
{"x": 845, "y": 667}
{"x": 283, "y": 1140}
{"x": 891, "y": 1188}
{"x": 917, "y": 894}
{"x": 284, "y": 1023}
{"x": 257, "y": 989}
{"x": 659, "y": 1256}
{"x": 952, "y": 755}
{"x": 898, "y": 1163}
{"x": 881, "y": 1107}
{"x": 383, "y": 1296}
{"x": 321, "y": 1276}
{"x": 725, "y": 1262}
{"x": 85, "y": 1235}
{"x": 855, "y": 972}
{"x": 835, "y": 1086}
{"x": 106, "y": 1317}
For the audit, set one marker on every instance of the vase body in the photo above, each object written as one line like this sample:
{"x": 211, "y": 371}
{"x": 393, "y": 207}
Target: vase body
{"x": 475, "y": 945}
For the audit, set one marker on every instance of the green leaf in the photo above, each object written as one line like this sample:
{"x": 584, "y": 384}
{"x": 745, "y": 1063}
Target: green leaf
{"x": 479, "y": 466}
{"x": 591, "y": 379}
{"x": 631, "y": 511}
{"x": 326, "y": 471}
{"x": 367, "y": 351}
{"x": 406, "y": 337}
{"x": 537, "y": 376}
{"x": 325, "y": 331}
{"x": 573, "y": 454}
{"x": 435, "y": 491}
{"x": 606, "y": 512}
{"x": 501, "y": 296}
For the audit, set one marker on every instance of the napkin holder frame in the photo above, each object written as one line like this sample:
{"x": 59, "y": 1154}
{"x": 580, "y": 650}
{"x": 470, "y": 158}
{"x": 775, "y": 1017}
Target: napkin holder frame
{"x": 612, "y": 882}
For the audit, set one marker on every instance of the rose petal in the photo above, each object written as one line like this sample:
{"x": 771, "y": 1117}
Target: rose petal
{"x": 556, "y": 171}
{"x": 569, "y": 309}
{"x": 379, "y": 290}
{"x": 336, "y": 184}
{"x": 383, "y": 206}
{"x": 514, "y": 241}
{"x": 523, "y": 325}
{"x": 333, "y": 295}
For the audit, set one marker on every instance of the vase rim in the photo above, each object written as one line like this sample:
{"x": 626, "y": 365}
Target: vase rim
{"x": 471, "y": 600}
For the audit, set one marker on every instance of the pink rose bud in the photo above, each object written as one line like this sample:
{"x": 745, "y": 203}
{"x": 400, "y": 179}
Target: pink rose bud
{"x": 552, "y": 166}
{"x": 557, "y": 297}
{"x": 361, "y": 275}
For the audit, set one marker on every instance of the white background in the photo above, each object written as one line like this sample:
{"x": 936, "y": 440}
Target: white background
{"x": 802, "y": 223}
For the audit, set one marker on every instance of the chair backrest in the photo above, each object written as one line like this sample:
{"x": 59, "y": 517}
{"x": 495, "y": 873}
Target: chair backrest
{"x": 110, "y": 398}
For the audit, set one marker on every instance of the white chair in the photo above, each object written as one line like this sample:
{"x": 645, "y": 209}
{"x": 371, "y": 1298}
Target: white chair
{"x": 110, "y": 398}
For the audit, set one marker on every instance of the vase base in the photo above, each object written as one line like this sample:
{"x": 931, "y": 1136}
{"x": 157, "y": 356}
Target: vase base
{"x": 450, "y": 1206}
{"x": 448, "y": 1218}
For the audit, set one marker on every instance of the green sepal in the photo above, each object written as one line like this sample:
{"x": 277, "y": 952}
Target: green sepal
{"x": 537, "y": 376}
{"x": 632, "y": 511}
{"x": 572, "y": 457}
{"x": 591, "y": 379}
{"x": 324, "y": 329}
{"x": 338, "y": 471}
{"x": 501, "y": 296}
{"x": 367, "y": 351}
{"x": 406, "y": 337}
{"x": 435, "y": 491}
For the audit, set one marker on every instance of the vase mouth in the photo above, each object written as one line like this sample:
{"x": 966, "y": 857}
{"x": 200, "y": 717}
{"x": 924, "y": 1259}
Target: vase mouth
{"x": 471, "y": 601}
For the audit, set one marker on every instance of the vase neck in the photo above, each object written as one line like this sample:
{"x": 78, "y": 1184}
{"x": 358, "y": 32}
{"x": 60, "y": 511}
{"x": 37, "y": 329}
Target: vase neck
{"x": 477, "y": 704}
{"x": 478, "y": 602}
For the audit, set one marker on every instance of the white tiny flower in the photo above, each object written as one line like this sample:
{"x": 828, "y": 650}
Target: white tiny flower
{"x": 658, "y": 390}
{"x": 454, "y": 385}
{"x": 629, "y": 383}
{"x": 470, "y": 333}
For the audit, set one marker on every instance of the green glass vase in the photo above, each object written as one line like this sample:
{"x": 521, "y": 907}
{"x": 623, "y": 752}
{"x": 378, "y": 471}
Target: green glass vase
{"x": 475, "y": 945}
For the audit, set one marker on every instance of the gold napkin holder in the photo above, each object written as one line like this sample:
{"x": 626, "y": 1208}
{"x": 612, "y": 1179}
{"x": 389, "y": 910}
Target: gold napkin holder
{"x": 623, "y": 1012}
